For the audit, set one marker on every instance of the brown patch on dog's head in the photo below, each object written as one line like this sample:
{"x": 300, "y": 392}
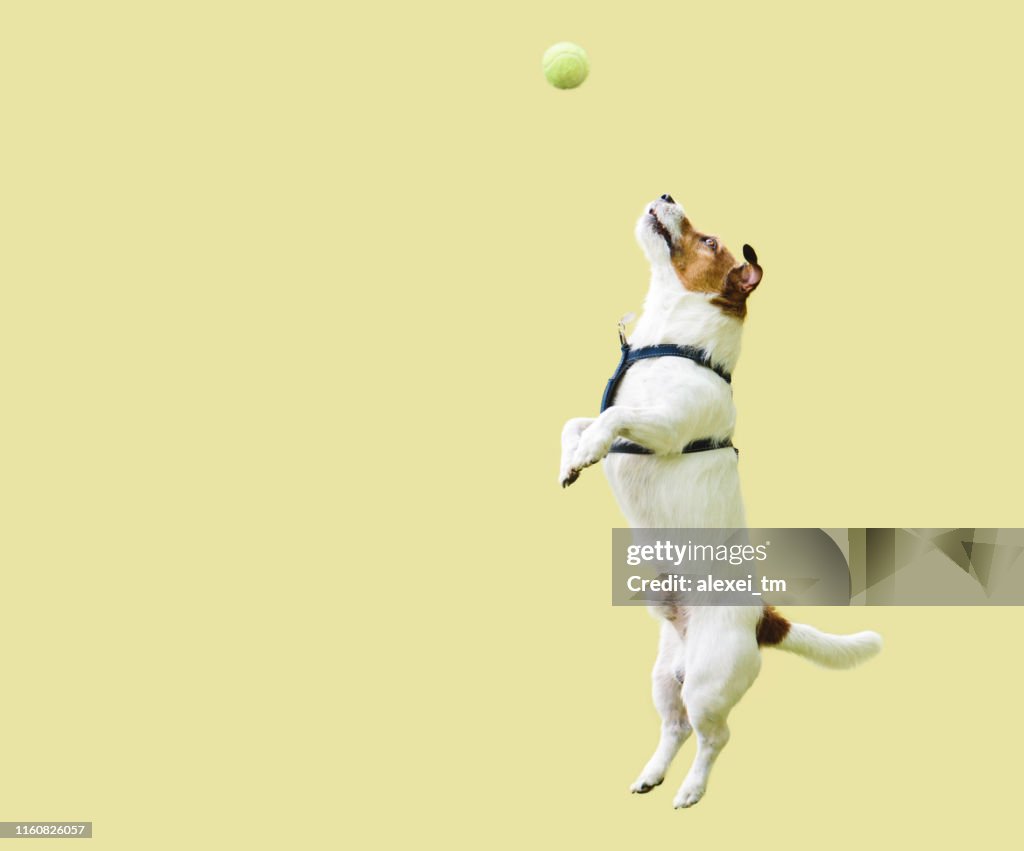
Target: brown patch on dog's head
{"x": 704, "y": 265}
{"x": 772, "y": 627}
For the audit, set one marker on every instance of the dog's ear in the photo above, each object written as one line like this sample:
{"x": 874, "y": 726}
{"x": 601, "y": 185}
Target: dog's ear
{"x": 739, "y": 283}
{"x": 745, "y": 278}
{"x": 750, "y": 277}
{"x": 750, "y": 274}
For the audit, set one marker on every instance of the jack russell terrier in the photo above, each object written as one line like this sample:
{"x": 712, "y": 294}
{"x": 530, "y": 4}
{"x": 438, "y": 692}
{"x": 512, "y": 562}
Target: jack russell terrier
{"x": 664, "y": 434}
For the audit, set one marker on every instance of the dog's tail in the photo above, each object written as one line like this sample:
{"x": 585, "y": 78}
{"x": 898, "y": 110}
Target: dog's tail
{"x": 822, "y": 648}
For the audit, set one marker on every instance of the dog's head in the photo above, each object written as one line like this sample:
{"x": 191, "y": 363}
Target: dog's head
{"x": 698, "y": 260}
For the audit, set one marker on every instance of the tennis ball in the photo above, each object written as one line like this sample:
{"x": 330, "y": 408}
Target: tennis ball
{"x": 566, "y": 65}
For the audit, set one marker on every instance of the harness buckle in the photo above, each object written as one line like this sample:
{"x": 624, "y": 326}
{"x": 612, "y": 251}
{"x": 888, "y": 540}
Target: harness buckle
{"x": 623, "y": 322}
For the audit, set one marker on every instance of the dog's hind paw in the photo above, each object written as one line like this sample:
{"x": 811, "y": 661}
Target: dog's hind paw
{"x": 642, "y": 785}
{"x": 688, "y": 796}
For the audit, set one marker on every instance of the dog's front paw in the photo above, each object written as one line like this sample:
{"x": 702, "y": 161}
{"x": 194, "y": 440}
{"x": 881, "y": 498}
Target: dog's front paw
{"x": 568, "y": 476}
{"x": 567, "y": 473}
{"x": 593, "y": 446}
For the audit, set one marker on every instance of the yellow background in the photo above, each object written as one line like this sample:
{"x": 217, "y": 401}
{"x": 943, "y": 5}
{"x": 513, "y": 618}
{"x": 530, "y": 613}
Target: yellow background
{"x": 295, "y": 299}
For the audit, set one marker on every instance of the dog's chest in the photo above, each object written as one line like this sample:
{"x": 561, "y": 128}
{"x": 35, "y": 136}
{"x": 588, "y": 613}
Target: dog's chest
{"x": 677, "y": 382}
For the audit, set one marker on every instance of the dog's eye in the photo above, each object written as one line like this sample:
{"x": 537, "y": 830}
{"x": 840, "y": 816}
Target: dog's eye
{"x": 711, "y": 243}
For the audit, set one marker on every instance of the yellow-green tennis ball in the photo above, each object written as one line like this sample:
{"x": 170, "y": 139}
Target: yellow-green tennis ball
{"x": 566, "y": 65}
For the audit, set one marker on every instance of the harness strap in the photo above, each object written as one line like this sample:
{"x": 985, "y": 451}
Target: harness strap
{"x": 705, "y": 444}
{"x": 631, "y": 356}
{"x": 699, "y": 356}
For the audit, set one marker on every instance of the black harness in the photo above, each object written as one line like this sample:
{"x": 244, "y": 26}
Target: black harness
{"x": 629, "y": 357}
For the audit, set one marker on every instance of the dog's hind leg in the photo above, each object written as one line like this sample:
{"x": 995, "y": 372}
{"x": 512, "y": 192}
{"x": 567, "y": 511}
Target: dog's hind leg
{"x": 667, "y": 692}
{"x": 715, "y": 681}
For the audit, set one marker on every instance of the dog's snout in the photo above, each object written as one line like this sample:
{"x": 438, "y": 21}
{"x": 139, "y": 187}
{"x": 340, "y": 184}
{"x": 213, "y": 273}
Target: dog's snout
{"x": 668, "y": 199}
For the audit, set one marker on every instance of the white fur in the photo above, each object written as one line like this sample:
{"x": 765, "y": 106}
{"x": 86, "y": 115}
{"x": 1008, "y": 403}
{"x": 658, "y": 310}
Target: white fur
{"x": 830, "y": 651}
{"x": 708, "y": 656}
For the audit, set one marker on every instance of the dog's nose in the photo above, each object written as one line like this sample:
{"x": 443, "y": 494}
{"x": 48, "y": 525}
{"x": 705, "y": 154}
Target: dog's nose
{"x": 668, "y": 198}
